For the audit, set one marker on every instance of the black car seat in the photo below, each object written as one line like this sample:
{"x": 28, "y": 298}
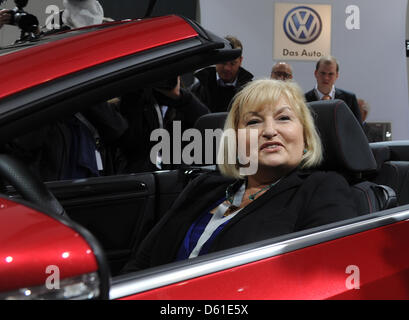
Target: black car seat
{"x": 393, "y": 167}
{"x": 347, "y": 151}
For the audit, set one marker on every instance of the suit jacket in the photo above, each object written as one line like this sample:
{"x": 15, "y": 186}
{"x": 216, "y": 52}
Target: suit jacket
{"x": 138, "y": 107}
{"x": 214, "y": 96}
{"x": 299, "y": 201}
{"x": 52, "y": 154}
{"x": 348, "y": 97}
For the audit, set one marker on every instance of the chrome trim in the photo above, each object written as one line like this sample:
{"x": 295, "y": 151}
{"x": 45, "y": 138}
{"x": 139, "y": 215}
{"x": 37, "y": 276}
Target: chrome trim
{"x": 122, "y": 286}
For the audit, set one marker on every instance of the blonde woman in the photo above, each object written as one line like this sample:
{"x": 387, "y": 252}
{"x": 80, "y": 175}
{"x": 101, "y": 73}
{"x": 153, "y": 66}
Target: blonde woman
{"x": 245, "y": 202}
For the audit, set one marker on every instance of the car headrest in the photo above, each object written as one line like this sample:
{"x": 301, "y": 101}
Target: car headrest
{"x": 211, "y": 121}
{"x": 345, "y": 146}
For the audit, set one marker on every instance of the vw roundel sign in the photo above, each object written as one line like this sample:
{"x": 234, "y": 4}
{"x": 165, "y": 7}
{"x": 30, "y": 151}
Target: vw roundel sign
{"x": 302, "y": 25}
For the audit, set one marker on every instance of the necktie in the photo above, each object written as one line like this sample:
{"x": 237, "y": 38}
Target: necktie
{"x": 326, "y": 97}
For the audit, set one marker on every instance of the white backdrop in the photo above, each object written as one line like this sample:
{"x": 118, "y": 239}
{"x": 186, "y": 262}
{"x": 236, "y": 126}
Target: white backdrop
{"x": 372, "y": 58}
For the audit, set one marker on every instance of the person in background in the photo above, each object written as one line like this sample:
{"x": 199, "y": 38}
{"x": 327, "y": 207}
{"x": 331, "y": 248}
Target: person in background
{"x": 373, "y": 133}
{"x": 363, "y": 108}
{"x": 147, "y": 109}
{"x": 74, "y": 147}
{"x": 233, "y": 207}
{"x": 5, "y": 17}
{"x": 81, "y": 13}
{"x": 216, "y": 86}
{"x": 281, "y": 71}
{"x": 326, "y": 74}
{"x": 77, "y": 14}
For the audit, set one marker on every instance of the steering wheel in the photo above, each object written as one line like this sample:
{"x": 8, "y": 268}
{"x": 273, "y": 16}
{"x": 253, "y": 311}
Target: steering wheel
{"x": 28, "y": 185}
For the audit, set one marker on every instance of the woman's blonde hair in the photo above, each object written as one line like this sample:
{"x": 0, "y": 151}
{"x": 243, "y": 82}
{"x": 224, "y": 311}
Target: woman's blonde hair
{"x": 268, "y": 92}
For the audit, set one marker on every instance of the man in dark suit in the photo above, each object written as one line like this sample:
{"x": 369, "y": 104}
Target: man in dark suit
{"x": 216, "y": 86}
{"x": 327, "y": 72}
{"x": 159, "y": 107}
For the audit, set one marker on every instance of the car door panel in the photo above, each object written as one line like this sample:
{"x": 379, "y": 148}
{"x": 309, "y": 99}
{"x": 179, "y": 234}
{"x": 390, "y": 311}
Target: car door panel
{"x": 117, "y": 210}
{"x": 120, "y": 210}
{"x": 365, "y": 265}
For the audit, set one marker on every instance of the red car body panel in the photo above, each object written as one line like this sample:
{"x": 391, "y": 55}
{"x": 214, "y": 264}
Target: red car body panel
{"x": 40, "y": 64}
{"x": 316, "y": 272}
{"x": 31, "y": 241}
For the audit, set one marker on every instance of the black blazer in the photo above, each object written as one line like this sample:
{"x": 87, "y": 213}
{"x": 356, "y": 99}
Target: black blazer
{"x": 348, "y": 97}
{"x": 299, "y": 201}
{"x": 138, "y": 108}
{"x": 214, "y": 96}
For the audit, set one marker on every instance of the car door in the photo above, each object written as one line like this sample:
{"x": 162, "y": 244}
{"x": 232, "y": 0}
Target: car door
{"x": 362, "y": 258}
{"x": 120, "y": 210}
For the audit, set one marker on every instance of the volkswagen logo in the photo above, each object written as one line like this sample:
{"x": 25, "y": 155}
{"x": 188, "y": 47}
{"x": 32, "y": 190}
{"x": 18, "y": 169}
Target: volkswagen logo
{"x": 302, "y": 25}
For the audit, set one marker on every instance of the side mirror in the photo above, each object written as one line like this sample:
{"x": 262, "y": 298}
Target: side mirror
{"x": 48, "y": 257}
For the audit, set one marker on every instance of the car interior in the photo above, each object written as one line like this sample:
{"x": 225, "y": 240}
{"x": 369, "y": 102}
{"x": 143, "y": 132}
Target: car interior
{"x": 121, "y": 219}
{"x": 120, "y": 210}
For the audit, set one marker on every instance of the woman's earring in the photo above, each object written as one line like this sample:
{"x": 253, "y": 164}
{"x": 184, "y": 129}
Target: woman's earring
{"x": 304, "y": 151}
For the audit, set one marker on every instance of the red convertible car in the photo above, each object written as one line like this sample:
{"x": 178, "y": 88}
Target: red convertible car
{"x": 69, "y": 239}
